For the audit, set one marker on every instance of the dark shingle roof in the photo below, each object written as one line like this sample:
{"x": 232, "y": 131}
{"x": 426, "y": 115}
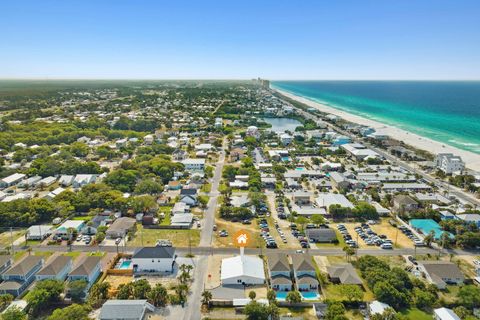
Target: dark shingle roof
{"x": 322, "y": 234}
{"x": 154, "y": 252}
{"x": 278, "y": 262}
{"x": 303, "y": 262}
{"x": 345, "y": 273}
{"x": 86, "y": 267}
{"x": 24, "y": 266}
{"x": 55, "y": 266}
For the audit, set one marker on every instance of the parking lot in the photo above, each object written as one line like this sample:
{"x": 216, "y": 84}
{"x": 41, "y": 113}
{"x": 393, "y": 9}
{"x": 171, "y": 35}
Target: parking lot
{"x": 375, "y": 234}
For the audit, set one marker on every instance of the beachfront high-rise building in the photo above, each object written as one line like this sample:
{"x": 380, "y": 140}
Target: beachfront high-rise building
{"x": 449, "y": 163}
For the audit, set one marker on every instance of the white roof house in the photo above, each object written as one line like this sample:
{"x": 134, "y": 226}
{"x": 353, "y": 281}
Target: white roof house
{"x": 39, "y": 232}
{"x": 12, "y": 179}
{"x": 377, "y": 307}
{"x": 325, "y": 200}
{"x": 55, "y": 193}
{"x": 66, "y": 180}
{"x": 445, "y": 314}
{"x": 242, "y": 270}
{"x": 184, "y": 220}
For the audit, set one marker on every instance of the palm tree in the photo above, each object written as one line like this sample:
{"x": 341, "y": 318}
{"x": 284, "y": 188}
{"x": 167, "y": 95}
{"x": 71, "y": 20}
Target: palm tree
{"x": 206, "y": 298}
{"x": 429, "y": 238}
{"x": 349, "y": 251}
{"x": 158, "y": 296}
{"x": 271, "y": 297}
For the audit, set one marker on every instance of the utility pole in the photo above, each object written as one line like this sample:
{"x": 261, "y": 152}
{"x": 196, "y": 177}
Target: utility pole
{"x": 11, "y": 241}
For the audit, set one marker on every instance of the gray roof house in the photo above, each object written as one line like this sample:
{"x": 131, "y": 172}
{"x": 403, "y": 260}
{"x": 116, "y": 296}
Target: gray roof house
{"x": 305, "y": 273}
{"x": 57, "y": 268}
{"x": 89, "y": 269}
{"x": 20, "y": 276}
{"x": 280, "y": 272}
{"x": 344, "y": 274}
{"x": 120, "y": 227}
{"x": 441, "y": 273}
{"x": 125, "y": 310}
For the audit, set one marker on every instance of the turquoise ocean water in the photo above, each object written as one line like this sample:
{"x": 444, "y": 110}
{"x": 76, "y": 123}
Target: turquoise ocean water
{"x": 445, "y": 111}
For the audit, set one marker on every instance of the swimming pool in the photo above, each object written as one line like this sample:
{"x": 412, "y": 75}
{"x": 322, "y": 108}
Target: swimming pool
{"x": 285, "y": 159}
{"x": 299, "y": 168}
{"x": 425, "y": 226}
{"x": 309, "y": 295}
{"x": 281, "y": 295}
{"x": 125, "y": 264}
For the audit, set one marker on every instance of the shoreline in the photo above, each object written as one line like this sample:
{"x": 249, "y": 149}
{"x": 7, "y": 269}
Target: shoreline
{"x": 472, "y": 160}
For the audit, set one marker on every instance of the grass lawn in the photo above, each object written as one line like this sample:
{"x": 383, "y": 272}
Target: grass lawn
{"x": 179, "y": 237}
{"x": 44, "y": 254}
{"x": 18, "y": 255}
{"x": 416, "y": 314}
{"x": 354, "y": 315}
{"x": 83, "y": 218}
{"x": 206, "y": 188}
{"x": 6, "y": 237}
{"x": 167, "y": 213}
{"x": 232, "y": 228}
{"x": 332, "y": 292}
{"x": 73, "y": 254}
{"x": 449, "y": 294}
{"x": 304, "y": 313}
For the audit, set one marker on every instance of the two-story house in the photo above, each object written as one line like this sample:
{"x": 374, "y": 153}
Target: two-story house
{"x": 20, "y": 276}
{"x": 304, "y": 273}
{"x": 153, "y": 260}
{"x": 89, "y": 269}
{"x": 58, "y": 269}
{"x": 280, "y": 272}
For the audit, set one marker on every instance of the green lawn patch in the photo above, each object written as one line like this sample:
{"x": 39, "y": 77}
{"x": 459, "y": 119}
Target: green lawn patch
{"x": 416, "y": 314}
{"x": 179, "y": 238}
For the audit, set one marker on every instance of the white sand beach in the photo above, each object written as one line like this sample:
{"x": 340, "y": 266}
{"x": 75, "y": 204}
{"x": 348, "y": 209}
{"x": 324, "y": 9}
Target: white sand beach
{"x": 472, "y": 160}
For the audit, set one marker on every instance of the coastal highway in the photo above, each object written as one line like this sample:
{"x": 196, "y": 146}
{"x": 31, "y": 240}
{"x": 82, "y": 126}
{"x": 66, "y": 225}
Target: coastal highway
{"x": 452, "y": 190}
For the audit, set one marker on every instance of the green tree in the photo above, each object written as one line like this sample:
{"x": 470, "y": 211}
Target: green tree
{"x": 257, "y": 311}
{"x": 141, "y": 289}
{"x": 428, "y": 239}
{"x": 148, "y": 186}
{"x": 335, "y": 310}
{"x": 5, "y": 300}
{"x": 158, "y": 296}
{"x": 14, "y": 313}
{"x": 469, "y": 296}
{"x": 252, "y": 295}
{"x": 206, "y": 298}
{"x": 293, "y": 297}
{"x": 72, "y": 312}
{"x": 77, "y": 289}
{"x": 98, "y": 294}
{"x": 349, "y": 252}
{"x": 272, "y": 296}
{"x": 317, "y": 219}
{"x": 351, "y": 292}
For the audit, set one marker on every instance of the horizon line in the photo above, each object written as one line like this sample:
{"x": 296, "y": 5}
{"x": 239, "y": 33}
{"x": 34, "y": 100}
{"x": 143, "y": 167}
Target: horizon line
{"x": 217, "y": 79}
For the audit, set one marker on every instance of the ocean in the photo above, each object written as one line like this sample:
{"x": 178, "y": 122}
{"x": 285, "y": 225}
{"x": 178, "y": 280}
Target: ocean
{"x": 444, "y": 111}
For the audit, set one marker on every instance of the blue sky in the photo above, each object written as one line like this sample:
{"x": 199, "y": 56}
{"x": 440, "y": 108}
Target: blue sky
{"x": 383, "y": 39}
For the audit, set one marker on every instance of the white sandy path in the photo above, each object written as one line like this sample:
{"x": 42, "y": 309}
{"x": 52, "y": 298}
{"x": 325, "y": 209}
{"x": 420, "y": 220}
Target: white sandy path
{"x": 472, "y": 160}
